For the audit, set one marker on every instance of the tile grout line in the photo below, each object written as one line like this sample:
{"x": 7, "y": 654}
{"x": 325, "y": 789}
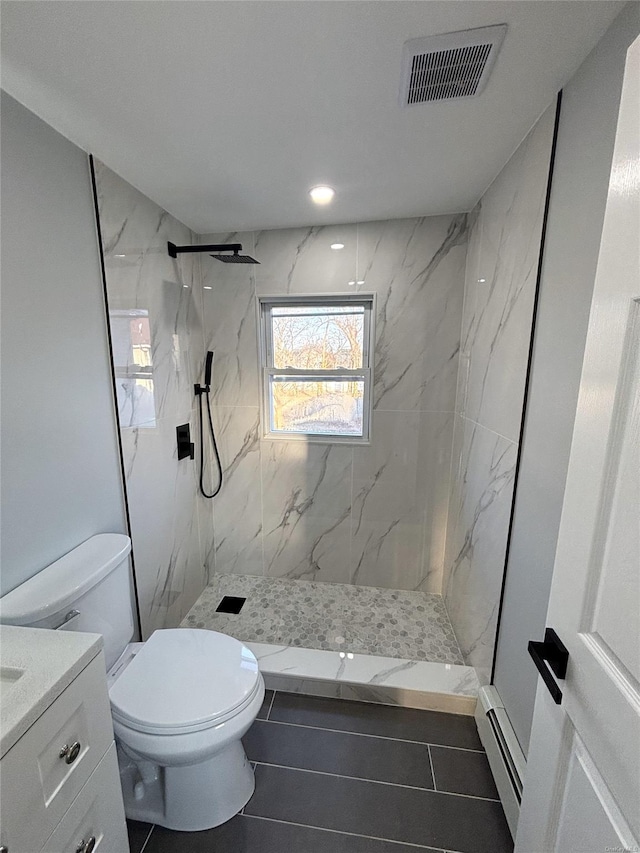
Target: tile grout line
{"x": 433, "y": 772}
{"x": 374, "y": 781}
{"x": 146, "y": 841}
{"x": 343, "y": 776}
{"x": 367, "y": 734}
{"x": 270, "y": 706}
{"x": 351, "y": 834}
{"x": 482, "y": 426}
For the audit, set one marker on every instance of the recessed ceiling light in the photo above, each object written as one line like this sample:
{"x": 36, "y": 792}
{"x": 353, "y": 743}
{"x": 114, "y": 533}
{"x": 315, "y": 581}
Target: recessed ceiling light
{"x": 185, "y": 285}
{"x": 481, "y": 280}
{"x": 207, "y": 287}
{"x": 360, "y": 282}
{"x": 119, "y": 256}
{"x": 351, "y": 283}
{"x": 322, "y": 194}
{"x": 337, "y": 246}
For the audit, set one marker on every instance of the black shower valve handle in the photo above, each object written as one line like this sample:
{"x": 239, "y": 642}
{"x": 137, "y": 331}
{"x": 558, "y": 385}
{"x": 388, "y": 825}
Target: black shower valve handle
{"x": 186, "y": 448}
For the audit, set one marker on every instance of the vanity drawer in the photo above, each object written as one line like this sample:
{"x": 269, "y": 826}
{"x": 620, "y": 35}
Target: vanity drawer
{"x": 44, "y": 782}
{"x": 96, "y": 813}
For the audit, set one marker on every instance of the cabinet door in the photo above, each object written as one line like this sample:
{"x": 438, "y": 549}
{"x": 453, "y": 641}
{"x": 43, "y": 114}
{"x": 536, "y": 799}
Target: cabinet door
{"x": 96, "y": 813}
{"x": 38, "y": 783}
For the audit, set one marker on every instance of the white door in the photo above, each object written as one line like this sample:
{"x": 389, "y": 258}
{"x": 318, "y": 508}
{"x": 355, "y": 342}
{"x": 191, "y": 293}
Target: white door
{"x": 582, "y": 786}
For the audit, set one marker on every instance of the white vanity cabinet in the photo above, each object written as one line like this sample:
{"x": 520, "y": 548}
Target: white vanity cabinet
{"x": 59, "y": 782}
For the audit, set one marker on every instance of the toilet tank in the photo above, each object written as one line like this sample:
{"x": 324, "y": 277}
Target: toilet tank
{"x": 86, "y": 590}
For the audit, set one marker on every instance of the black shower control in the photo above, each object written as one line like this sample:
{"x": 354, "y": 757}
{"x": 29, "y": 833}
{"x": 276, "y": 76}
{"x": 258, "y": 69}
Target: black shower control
{"x": 185, "y": 445}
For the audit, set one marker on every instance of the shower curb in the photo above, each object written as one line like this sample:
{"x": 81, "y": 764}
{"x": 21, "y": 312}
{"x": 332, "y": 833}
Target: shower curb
{"x": 423, "y": 685}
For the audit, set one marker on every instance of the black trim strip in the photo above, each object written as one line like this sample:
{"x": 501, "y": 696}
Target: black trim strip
{"x": 103, "y": 271}
{"x": 534, "y": 320}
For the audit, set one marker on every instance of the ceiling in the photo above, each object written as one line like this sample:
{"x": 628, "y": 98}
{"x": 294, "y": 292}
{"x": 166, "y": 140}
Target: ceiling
{"x": 226, "y": 113}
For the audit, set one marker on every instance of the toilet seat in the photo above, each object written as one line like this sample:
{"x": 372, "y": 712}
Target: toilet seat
{"x": 185, "y": 680}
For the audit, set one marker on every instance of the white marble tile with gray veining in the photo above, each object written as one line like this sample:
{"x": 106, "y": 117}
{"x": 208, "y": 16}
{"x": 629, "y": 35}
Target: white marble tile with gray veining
{"x": 401, "y": 485}
{"x": 301, "y": 260}
{"x": 416, "y": 267}
{"x": 237, "y": 510}
{"x": 230, "y": 319}
{"x": 162, "y": 497}
{"x": 306, "y": 510}
{"x": 156, "y": 317}
{"x": 502, "y": 262}
{"x": 477, "y": 539}
{"x": 427, "y": 699}
{"x": 500, "y": 285}
{"x": 369, "y": 670}
{"x": 152, "y": 303}
{"x": 468, "y": 311}
{"x": 436, "y": 434}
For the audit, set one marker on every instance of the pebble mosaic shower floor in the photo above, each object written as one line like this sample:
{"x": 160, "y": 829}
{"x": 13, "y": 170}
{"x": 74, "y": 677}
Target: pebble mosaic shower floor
{"x": 336, "y": 617}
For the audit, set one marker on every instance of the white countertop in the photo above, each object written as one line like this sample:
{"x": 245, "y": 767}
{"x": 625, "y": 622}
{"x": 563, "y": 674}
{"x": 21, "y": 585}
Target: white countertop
{"x": 35, "y": 667}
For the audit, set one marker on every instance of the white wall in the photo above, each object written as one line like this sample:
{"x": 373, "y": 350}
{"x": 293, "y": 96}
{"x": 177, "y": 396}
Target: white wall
{"x": 61, "y": 480}
{"x": 579, "y": 193}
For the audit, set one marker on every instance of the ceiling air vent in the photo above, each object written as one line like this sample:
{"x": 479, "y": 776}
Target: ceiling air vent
{"x": 450, "y": 65}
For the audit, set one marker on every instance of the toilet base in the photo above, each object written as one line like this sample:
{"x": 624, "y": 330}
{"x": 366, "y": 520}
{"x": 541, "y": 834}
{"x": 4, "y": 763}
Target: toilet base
{"x": 188, "y": 797}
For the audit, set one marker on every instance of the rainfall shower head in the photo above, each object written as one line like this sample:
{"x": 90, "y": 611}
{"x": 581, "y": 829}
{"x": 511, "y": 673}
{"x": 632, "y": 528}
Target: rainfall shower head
{"x": 235, "y": 258}
{"x": 217, "y": 249}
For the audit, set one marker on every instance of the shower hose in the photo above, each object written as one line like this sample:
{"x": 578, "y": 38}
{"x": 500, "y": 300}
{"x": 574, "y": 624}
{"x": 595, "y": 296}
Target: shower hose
{"x": 205, "y": 393}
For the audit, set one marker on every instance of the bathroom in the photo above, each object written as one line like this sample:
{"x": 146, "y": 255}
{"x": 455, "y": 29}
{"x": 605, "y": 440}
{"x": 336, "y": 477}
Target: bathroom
{"x": 384, "y": 540}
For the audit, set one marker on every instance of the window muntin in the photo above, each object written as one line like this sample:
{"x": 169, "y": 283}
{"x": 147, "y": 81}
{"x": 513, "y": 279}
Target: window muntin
{"x": 316, "y": 367}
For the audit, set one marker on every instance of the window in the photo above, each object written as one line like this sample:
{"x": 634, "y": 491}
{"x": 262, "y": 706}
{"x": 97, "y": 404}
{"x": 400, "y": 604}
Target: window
{"x": 316, "y": 365}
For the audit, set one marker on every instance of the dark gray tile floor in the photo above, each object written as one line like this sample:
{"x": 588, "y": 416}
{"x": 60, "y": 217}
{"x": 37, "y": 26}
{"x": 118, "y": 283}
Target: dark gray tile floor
{"x": 348, "y": 777}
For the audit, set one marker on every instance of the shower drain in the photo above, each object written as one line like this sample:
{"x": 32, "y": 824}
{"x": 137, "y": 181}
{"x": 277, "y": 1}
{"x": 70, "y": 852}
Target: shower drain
{"x": 231, "y": 604}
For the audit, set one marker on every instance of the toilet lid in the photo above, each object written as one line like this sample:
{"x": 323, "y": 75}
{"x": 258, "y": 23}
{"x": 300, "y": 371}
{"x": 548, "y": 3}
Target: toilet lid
{"x": 184, "y": 677}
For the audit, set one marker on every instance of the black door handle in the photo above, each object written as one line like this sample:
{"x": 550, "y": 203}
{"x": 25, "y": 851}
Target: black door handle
{"x": 552, "y": 652}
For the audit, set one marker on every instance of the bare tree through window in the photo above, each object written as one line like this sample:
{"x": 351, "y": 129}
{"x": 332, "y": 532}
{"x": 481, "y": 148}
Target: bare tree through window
{"x": 307, "y": 340}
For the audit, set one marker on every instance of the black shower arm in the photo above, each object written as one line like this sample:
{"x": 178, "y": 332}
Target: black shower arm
{"x": 174, "y": 250}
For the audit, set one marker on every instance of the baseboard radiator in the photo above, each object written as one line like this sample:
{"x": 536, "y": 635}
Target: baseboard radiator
{"x": 506, "y": 758}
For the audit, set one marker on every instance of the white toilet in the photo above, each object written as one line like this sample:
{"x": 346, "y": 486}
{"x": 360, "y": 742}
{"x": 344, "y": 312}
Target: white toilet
{"x": 180, "y": 702}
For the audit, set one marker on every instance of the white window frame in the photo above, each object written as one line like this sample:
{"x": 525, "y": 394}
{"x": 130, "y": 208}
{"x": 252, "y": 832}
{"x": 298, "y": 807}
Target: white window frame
{"x": 265, "y": 304}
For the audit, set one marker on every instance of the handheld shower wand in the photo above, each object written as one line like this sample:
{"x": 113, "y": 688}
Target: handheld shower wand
{"x": 207, "y": 370}
{"x": 201, "y": 390}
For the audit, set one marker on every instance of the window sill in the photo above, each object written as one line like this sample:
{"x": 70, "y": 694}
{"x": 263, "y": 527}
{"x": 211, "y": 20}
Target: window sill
{"x": 308, "y": 438}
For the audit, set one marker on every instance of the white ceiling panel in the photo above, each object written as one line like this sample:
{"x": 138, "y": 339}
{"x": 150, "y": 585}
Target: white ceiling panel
{"x": 226, "y": 113}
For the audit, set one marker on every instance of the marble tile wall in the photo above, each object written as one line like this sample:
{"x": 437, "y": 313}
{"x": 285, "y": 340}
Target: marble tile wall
{"x": 155, "y": 314}
{"x": 504, "y": 246}
{"x": 372, "y": 515}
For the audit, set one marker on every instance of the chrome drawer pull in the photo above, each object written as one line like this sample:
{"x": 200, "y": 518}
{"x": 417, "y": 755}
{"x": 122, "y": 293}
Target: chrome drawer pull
{"x": 86, "y": 846}
{"x": 70, "y": 753}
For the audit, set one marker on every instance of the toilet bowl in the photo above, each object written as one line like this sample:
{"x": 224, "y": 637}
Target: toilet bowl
{"x": 181, "y": 702}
